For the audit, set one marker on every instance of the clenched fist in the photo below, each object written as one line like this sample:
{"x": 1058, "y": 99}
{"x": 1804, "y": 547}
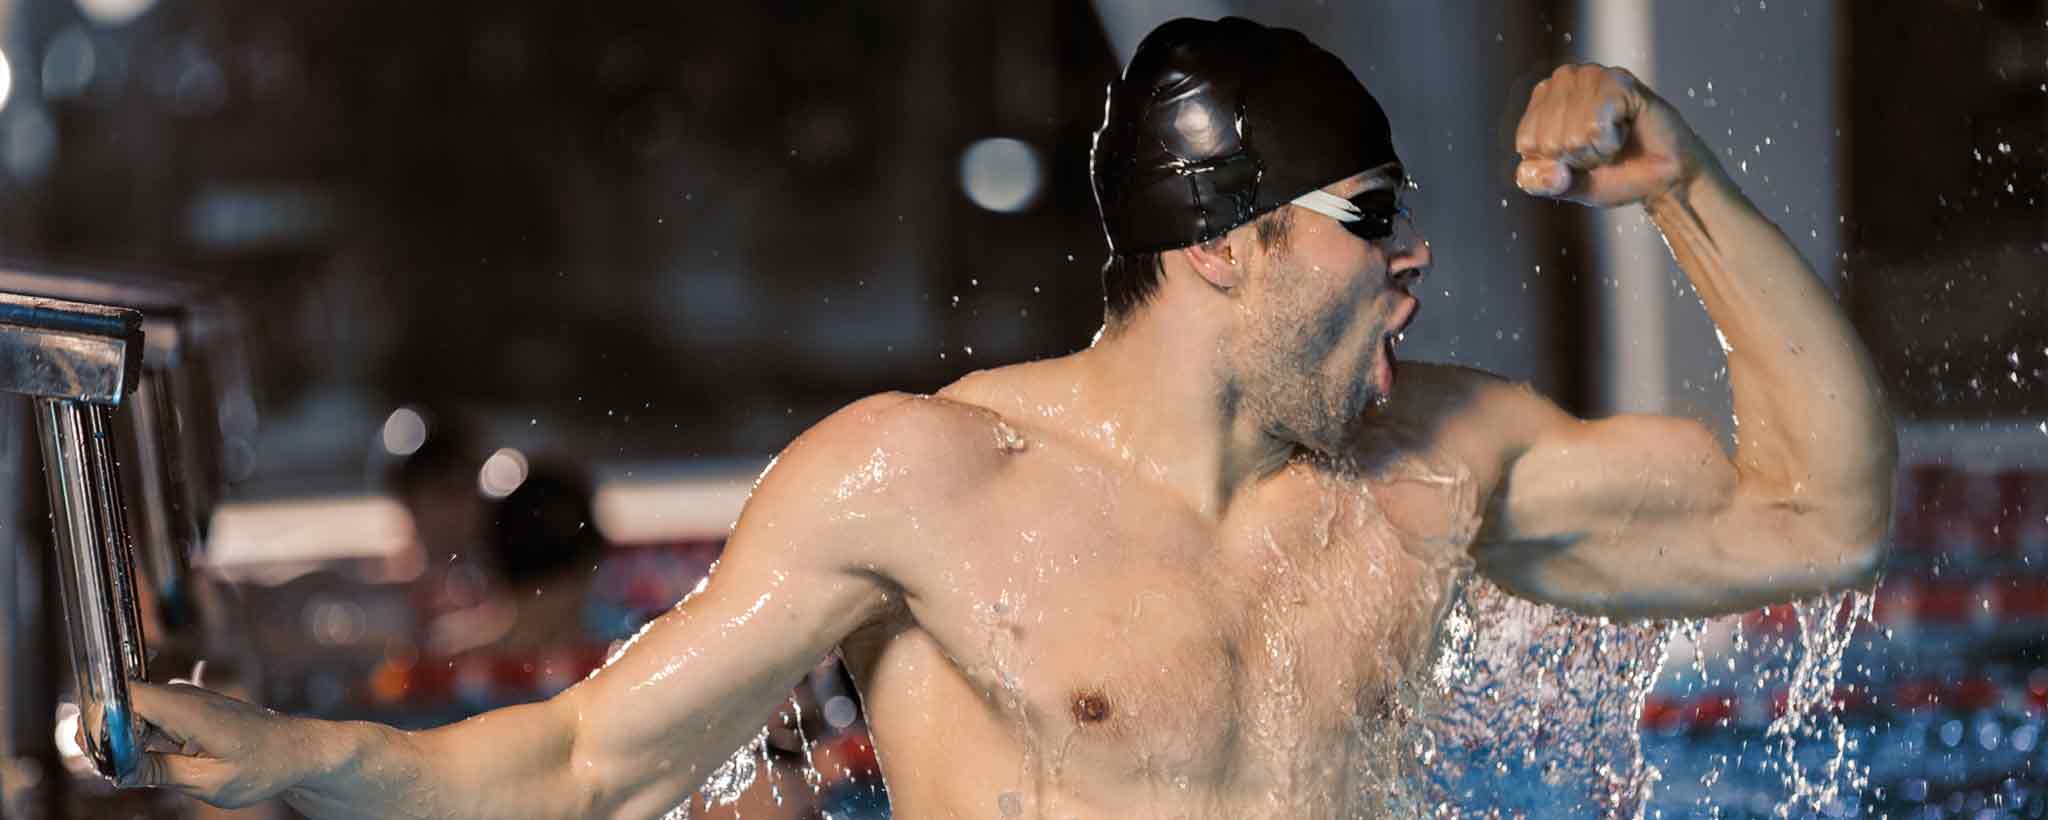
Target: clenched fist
{"x": 1596, "y": 136}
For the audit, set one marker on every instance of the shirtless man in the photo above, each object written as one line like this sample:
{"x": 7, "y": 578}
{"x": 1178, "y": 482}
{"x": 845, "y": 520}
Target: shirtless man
{"x": 1196, "y": 570}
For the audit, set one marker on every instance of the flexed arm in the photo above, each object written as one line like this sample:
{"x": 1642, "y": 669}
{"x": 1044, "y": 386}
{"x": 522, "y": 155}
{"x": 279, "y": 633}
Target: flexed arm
{"x": 1649, "y": 515}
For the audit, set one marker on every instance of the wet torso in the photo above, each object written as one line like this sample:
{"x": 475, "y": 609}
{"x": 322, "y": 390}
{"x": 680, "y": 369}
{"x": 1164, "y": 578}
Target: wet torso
{"x": 1080, "y": 643}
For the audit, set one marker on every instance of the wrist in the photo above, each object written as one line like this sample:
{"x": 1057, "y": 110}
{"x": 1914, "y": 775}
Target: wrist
{"x": 1670, "y": 201}
{"x": 1681, "y": 195}
{"x": 331, "y": 750}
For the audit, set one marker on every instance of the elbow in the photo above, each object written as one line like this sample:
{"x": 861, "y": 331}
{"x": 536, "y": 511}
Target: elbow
{"x": 603, "y": 780}
{"x": 1858, "y": 568}
{"x": 1854, "y": 534}
{"x": 582, "y": 793}
{"x": 1853, "y": 556}
{"x": 1870, "y": 542}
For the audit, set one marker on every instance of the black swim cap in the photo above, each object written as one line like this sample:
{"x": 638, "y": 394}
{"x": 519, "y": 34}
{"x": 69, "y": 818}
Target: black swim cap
{"x": 1216, "y": 122}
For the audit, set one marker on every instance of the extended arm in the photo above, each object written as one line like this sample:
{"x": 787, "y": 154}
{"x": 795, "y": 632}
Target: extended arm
{"x": 1650, "y": 516}
{"x": 635, "y": 739}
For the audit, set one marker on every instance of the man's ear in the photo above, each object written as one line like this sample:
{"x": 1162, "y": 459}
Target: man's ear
{"x": 1216, "y": 262}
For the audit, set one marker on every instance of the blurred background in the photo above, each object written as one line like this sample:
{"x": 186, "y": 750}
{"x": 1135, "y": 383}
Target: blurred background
{"x": 585, "y": 267}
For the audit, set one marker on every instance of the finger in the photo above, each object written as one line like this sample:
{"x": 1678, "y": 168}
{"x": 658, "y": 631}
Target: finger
{"x": 1543, "y": 177}
{"x": 157, "y": 740}
{"x": 1526, "y": 130}
{"x": 1610, "y": 128}
{"x": 194, "y": 776}
{"x": 154, "y": 703}
{"x": 1579, "y": 152}
{"x": 1577, "y": 126}
{"x": 168, "y": 710}
{"x": 1554, "y": 137}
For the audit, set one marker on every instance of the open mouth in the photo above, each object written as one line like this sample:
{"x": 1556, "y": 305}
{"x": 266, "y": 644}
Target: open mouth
{"x": 1404, "y": 315}
{"x": 1397, "y": 330}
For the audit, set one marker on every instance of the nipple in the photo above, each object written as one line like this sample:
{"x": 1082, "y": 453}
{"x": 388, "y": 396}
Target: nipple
{"x": 1090, "y": 706}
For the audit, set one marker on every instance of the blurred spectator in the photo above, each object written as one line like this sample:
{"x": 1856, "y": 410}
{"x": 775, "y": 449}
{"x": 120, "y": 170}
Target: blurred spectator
{"x": 437, "y": 484}
{"x": 544, "y": 548}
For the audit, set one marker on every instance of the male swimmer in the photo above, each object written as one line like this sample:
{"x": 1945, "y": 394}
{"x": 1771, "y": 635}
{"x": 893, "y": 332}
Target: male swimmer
{"x": 1194, "y": 570}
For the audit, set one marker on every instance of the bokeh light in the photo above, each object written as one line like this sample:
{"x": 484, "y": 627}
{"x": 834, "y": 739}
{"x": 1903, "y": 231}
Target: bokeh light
{"x": 1001, "y": 174}
{"x": 502, "y": 473}
{"x": 404, "y": 432}
{"x": 6, "y": 80}
{"x": 114, "y": 12}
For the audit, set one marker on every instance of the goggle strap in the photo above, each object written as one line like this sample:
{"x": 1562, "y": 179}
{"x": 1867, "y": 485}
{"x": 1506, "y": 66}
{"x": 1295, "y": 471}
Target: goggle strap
{"x": 1330, "y": 205}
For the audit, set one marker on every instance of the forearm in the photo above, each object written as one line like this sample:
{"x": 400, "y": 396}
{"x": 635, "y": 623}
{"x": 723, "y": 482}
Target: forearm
{"x": 511, "y": 762}
{"x": 1812, "y": 425}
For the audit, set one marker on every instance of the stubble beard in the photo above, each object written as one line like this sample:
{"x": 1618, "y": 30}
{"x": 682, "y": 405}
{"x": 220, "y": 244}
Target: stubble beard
{"x": 1281, "y": 370}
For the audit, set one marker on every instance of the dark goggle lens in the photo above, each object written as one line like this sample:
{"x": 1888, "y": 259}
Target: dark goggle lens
{"x": 1377, "y": 210}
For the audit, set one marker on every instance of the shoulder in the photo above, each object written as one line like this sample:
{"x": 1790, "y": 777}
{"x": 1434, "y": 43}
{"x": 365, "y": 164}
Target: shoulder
{"x": 1482, "y": 417}
{"x": 899, "y": 445}
{"x": 852, "y": 493}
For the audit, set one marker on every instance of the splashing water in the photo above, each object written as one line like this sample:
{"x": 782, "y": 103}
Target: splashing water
{"x": 1812, "y": 713}
{"x": 1540, "y": 710}
{"x": 732, "y": 778}
{"x": 1541, "y": 707}
{"x": 730, "y": 781}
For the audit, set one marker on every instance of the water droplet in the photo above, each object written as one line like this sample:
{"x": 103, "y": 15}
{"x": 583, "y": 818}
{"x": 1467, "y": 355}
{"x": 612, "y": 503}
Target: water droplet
{"x": 1007, "y": 439}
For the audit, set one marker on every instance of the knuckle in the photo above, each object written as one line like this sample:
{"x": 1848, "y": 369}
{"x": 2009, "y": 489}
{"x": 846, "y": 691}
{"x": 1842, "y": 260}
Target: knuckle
{"x": 150, "y": 772}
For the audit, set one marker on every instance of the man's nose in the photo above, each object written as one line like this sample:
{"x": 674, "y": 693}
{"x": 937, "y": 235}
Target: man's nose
{"x": 1411, "y": 259}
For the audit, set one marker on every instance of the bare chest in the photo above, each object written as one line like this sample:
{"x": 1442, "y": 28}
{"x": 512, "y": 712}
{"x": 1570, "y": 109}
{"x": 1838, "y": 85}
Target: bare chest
{"x": 1123, "y": 641}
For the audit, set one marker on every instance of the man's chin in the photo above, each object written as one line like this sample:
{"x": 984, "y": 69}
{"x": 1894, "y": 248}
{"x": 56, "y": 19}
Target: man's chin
{"x": 1337, "y": 435}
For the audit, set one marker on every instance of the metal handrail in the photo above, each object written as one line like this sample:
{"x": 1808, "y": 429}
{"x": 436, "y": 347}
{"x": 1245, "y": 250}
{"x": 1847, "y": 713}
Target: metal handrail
{"x": 78, "y": 361}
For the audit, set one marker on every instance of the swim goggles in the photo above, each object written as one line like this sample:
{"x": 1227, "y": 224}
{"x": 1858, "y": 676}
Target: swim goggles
{"x": 1368, "y": 216}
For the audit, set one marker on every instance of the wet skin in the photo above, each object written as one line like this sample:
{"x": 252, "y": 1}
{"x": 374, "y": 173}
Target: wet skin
{"x": 1194, "y": 571}
{"x": 1134, "y": 651}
